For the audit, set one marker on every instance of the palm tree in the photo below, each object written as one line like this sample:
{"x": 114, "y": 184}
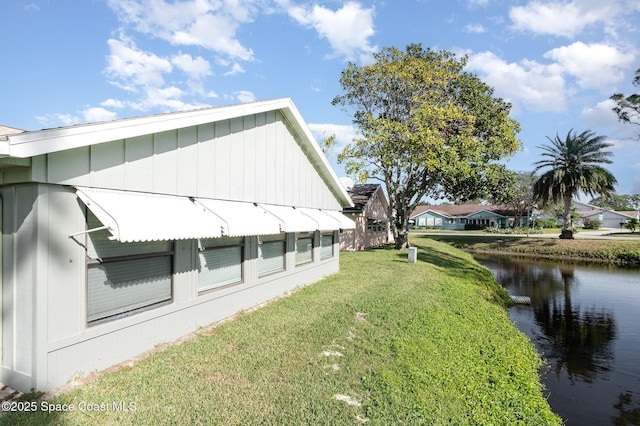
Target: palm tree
{"x": 574, "y": 165}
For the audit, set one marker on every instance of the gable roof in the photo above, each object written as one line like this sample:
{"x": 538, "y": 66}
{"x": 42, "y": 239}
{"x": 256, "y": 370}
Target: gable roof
{"x": 625, "y": 214}
{"x": 46, "y": 141}
{"x": 361, "y": 195}
{"x": 461, "y": 210}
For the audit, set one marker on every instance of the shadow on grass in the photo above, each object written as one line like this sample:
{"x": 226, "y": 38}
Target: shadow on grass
{"x": 456, "y": 266}
{"x": 463, "y": 269}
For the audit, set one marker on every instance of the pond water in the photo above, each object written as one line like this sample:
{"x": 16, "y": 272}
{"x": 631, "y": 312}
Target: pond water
{"x": 585, "y": 321}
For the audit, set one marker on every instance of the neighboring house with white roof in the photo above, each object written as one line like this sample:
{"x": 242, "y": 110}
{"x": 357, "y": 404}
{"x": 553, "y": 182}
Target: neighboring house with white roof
{"x": 607, "y": 218}
{"x": 121, "y": 235}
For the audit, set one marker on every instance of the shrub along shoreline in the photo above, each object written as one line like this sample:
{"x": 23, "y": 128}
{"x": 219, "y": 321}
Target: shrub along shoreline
{"x": 382, "y": 342}
{"x": 618, "y": 252}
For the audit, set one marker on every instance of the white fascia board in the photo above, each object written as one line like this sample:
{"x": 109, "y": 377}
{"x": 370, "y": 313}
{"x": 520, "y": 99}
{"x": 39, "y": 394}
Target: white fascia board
{"x": 5, "y": 147}
{"x": 295, "y": 118}
{"x": 29, "y": 144}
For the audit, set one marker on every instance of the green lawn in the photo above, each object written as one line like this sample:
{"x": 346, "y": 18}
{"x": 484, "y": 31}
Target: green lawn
{"x": 382, "y": 342}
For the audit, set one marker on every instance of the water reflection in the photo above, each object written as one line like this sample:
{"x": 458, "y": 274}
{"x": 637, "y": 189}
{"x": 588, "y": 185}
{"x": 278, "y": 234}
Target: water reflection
{"x": 584, "y": 322}
{"x": 579, "y": 338}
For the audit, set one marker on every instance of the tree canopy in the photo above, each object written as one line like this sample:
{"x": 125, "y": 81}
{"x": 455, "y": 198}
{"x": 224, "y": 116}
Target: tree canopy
{"x": 426, "y": 128}
{"x": 620, "y": 202}
{"x": 574, "y": 164}
{"x": 628, "y": 107}
{"x": 517, "y": 194}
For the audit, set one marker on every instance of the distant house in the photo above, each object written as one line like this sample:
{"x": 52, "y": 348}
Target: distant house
{"x": 462, "y": 216}
{"x": 370, "y": 214}
{"x": 607, "y": 218}
{"x": 121, "y": 235}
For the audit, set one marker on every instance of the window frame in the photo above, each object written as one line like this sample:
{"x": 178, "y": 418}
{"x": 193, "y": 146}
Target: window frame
{"x": 203, "y": 247}
{"x": 322, "y": 246}
{"x": 305, "y": 236}
{"x": 98, "y": 260}
{"x": 272, "y": 240}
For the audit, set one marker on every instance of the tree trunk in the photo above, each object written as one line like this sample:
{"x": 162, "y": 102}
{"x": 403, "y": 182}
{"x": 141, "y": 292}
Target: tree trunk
{"x": 401, "y": 229}
{"x": 567, "y": 227}
{"x": 402, "y": 240}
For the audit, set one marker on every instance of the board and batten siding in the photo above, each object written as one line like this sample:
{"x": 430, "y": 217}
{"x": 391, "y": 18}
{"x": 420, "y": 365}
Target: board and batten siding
{"x": 255, "y": 158}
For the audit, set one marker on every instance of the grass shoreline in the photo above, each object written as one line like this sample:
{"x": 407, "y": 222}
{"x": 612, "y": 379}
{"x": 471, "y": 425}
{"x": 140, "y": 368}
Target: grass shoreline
{"x": 618, "y": 252}
{"x": 381, "y": 342}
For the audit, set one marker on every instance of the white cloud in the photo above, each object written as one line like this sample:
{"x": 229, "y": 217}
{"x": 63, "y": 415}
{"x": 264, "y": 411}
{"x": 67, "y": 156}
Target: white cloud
{"x": 236, "y": 68}
{"x": 88, "y": 115}
{"x": 132, "y": 67}
{"x": 112, "y": 103}
{"x": 212, "y": 25}
{"x": 602, "y": 119}
{"x": 347, "y": 29}
{"x": 244, "y": 96}
{"x": 52, "y": 120}
{"x": 527, "y": 85}
{"x": 475, "y": 28}
{"x": 569, "y": 18}
{"x": 344, "y": 133}
{"x": 595, "y": 65}
{"x": 195, "y": 68}
{"x": 95, "y": 114}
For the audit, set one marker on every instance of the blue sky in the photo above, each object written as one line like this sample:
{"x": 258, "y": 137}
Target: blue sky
{"x": 558, "y": 62}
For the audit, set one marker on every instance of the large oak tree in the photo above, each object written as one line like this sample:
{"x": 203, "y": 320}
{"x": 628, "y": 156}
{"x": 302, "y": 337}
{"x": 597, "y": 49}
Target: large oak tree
{"x": 426, "y": 128}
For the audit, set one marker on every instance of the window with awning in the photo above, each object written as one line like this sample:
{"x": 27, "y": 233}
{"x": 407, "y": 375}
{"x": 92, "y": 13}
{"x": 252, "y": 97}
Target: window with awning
{"x": 271, "y": 251}
{"x": 123, "y": 279}
{"x": 220, "y": 263}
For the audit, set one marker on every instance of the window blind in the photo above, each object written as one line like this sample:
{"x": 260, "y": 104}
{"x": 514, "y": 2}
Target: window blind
{"x": 119, "y": 287}
{"x": 304, "y": 249}
{"x": 270, "y": 257}
{"x": 219, "y": 266}
{"x": 326, "y": 246}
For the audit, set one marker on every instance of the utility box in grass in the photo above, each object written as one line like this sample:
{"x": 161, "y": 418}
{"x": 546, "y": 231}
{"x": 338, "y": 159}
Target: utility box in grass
{"x": 413, "y": 254}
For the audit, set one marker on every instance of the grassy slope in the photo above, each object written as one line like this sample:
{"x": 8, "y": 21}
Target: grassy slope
{"x": 418, "y": 343}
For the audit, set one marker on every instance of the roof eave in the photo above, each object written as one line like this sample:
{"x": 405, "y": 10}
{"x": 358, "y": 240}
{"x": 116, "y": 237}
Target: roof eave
{"x": 30, "y": 144}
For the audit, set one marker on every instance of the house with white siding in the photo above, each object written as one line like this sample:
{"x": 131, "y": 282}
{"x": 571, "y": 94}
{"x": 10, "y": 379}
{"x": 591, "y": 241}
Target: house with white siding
{"x": 607, "y": 218}
{"x": 121, "y": 235}
{"x": 462, "y": 216}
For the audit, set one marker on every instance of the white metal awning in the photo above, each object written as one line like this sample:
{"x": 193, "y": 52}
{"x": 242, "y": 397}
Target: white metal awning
{"x": 324, "y": 221}
{"x": 291, "y": 219}
{"x": 345, "y": 222}
{"x": 242, "y": 218}
{"x": 137, "y": 216}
